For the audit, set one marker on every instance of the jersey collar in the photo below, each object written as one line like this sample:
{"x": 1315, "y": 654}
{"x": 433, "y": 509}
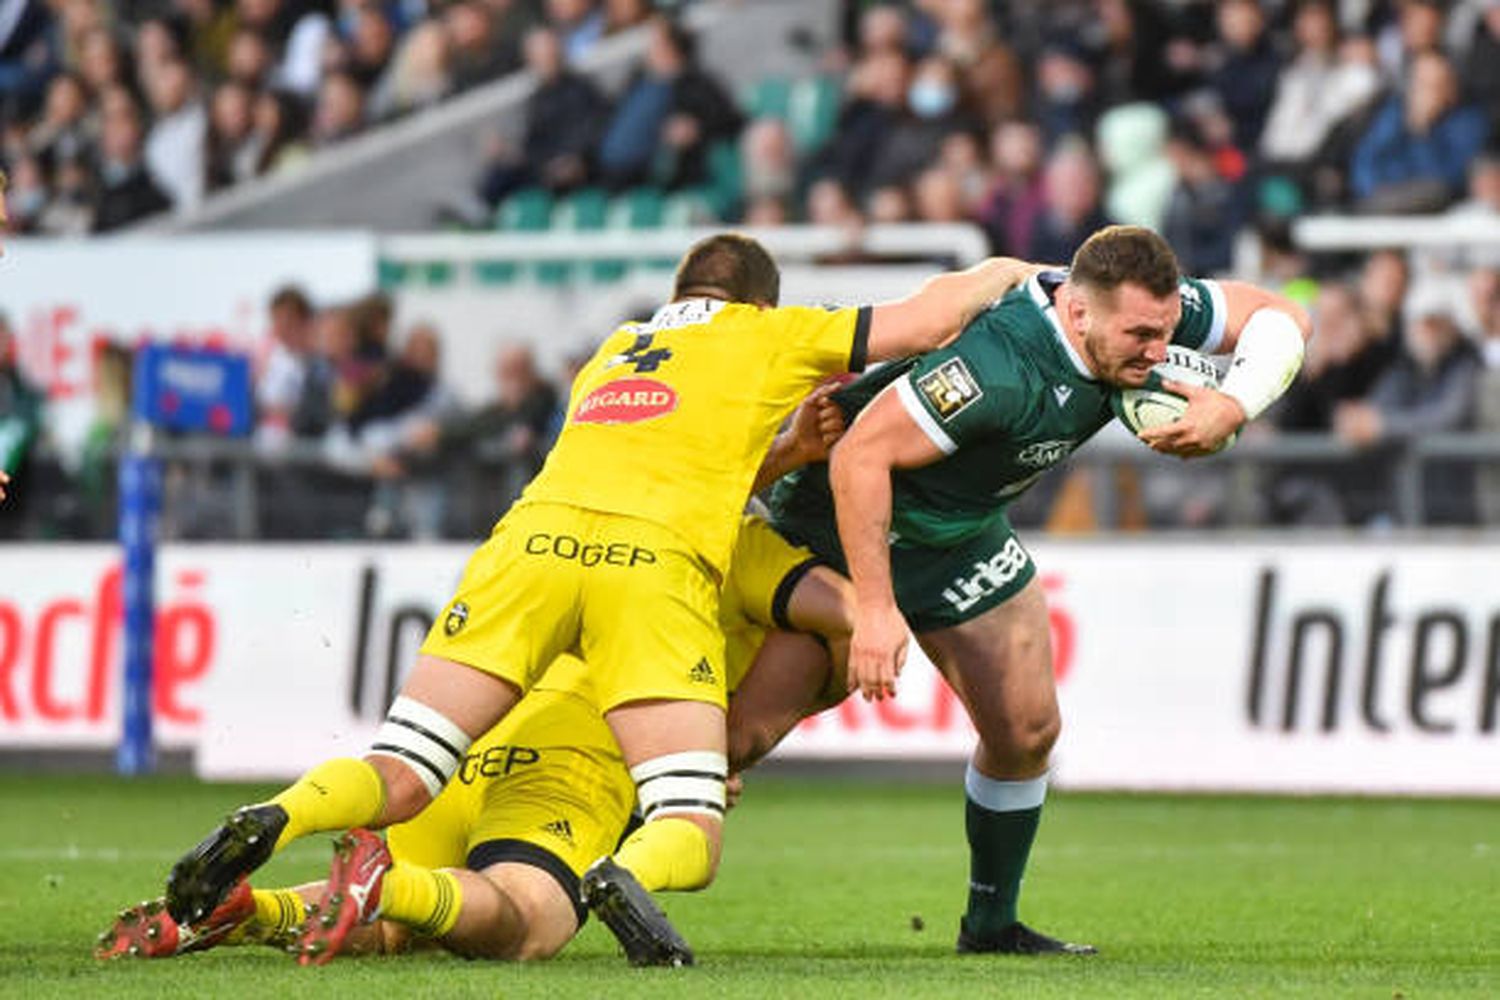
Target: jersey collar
{"x": 1043, "y": 300}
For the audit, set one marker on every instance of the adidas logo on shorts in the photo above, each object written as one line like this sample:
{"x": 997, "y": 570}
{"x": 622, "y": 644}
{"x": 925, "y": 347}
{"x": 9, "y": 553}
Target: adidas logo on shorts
{"x": 703, "y": 673}
{"x": 561, "y": 829}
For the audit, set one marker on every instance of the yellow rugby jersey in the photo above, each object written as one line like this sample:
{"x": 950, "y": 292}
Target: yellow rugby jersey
{"x": 671, "y": 418}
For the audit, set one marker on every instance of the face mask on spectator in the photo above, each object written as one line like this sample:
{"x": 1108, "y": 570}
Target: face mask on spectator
{"x": 930, "y": 99}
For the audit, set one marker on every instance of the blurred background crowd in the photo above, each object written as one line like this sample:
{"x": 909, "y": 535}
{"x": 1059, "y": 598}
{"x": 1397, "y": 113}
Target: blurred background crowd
{"x": 1216, "y": 122}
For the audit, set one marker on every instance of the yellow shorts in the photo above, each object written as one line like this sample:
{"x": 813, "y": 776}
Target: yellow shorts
{"x": 547, "y": 787}
{"x": 627, "y": 595}
{"x": 763, "y": 573}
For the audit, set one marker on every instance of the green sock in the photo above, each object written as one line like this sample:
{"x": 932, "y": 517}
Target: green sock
{"x": 1000, "y": 818}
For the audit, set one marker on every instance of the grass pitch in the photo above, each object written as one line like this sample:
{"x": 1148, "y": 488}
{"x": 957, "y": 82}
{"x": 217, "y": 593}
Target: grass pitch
{"x": 852, "y": 890}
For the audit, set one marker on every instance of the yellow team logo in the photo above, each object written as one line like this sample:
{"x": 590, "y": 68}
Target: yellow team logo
{"x": 950, "y": 388}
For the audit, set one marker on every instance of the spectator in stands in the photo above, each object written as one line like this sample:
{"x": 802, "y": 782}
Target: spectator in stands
{"x": 1383, "y": 283}
{"x": 622, "y": 15}
{"x": 175, "y": 146}
{"x": 882, "y": 28}
{"x": 1072, "y": 210}
{"x": 233, "y": 156}
{"x": 1343, "y": 364}
{"x": 875, "y": 102}
{"x": 30, "y": 52}
{"x": 671, "y": 113}
{"x": 507, "y": 439}
{"x": 1417, "y": 28}
{"x": 768, "y": 163}
{"x": 1484, "y": 297}
{"x": 563, "y": 120}
{"x": 477, "y": 56}
{"x": 70, "y": 212}
{"x": 64, "y": 131}
{"x": 579, "y": 25}
{"x": 1414, "y": 154}
{"x": 102, "y": 61}
{"x": 289, "y": 401}
{"x": 277, "y": 130}
{"x": 1432, "y": 388}
{"x": 1482, "y": 206}
{"x": 1481, "y": 75}
{"x": 20, "y": 423}
{"x": 1017, "y": 193}
{"x": 1066, "y": 102}
{"x": 933, "y": 113}
{"x": 1143, "y": 55}
{"x": 937, "y": 196}
{"x": 210, "y": 27}
{"x": 249, "y": 61}
{"x": 158, "y": 41}
{"x": 829, "y": 204}
{"x": 370, "y": 45}
{"x": 991, "y": 77}
{"x": 1202, "y": 215}
{"x": 1245, "y": 64}
{"x": 126, "y": 190}
{"x": 340, "y": 111}
{"x": 419, "y": 76}
{"x": 25, "y": 196}
{"x": 1315, "y": 91}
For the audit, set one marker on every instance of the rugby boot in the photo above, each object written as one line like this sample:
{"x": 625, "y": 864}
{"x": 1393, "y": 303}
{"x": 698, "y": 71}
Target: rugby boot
{"x": 351, "y": 896}
{"x": 202, "y": 878}
{"x": 628, "y": 910}
{"x": 147, "y": 930}
{"x": 1018, "y": 939}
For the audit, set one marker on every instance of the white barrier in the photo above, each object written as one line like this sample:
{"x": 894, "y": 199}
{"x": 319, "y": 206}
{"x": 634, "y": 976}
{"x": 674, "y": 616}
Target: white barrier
{"x": 1257, "y": 666}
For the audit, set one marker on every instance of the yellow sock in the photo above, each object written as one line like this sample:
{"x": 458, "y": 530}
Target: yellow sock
{"x": 278, "y": 911}
{"x": 425, "y": 899}
{"x": 667, "y": 853}
{"x": 338, "y": 794}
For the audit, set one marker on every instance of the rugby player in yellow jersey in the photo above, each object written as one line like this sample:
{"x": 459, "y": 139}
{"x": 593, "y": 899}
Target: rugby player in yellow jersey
{"x": 537, "y": 799}
{"x": 616, "y": 551}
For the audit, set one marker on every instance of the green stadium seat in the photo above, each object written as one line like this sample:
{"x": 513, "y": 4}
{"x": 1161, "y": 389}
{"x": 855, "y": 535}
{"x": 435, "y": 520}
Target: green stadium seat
{"x": 768, "y": 97}
{"x": 813, "y": 112}
{"x": 638, "y": 208}
{"x": 529, "y": 210}
{"x": 687, "y": 208}
{"x": 726, "y": 182}
{"x": 582, "y": 211}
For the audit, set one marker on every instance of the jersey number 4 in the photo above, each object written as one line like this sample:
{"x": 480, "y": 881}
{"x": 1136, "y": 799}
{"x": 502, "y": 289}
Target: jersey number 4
{"x": 641, "y": 355}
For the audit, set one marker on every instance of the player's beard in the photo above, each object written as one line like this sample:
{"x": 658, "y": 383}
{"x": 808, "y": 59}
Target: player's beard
{"x": 1126, "y": 372}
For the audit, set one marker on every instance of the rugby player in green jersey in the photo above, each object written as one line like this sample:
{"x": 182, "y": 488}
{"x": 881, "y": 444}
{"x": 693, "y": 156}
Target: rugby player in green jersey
{"x": 913, "y": 504}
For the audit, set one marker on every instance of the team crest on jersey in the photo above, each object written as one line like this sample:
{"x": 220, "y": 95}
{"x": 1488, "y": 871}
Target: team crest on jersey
{"x": 950, "y": 387}
{"x": 626, "y": 401}
{"x": 1044, "y": 453}
{"x": 458, "y": 617}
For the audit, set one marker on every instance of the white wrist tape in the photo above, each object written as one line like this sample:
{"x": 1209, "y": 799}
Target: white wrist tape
{"x": 1266, "y": 360}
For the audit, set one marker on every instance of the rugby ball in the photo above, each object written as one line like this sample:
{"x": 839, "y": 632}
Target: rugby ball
{"x": 1151, "y": 405}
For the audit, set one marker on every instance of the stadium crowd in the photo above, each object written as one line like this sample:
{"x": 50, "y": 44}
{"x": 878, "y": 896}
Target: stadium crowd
{"x": 113, "y": 112}
{"x": 1216, "y": 123}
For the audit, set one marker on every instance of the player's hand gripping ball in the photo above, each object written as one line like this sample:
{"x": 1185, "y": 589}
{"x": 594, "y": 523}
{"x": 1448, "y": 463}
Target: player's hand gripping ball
{"x": 1152, "y": 405}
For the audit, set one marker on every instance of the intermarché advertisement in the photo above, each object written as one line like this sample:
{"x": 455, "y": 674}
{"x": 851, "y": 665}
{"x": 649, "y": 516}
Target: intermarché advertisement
{"x": 1259, "y": 666}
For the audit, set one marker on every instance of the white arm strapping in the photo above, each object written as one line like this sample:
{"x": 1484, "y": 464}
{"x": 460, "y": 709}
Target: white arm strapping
{"x": 1266, "y": 359}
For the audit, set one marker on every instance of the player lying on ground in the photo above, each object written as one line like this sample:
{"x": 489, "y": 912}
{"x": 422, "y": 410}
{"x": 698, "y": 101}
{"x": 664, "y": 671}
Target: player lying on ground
{"x": 615, "y": 550}
{"x": 493, "y": 868}
{"x": 914, "y": 503}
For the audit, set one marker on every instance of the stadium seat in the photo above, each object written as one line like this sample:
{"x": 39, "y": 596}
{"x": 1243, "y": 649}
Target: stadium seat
{"x": 768, "y": 97}
{"x": 528, "y": 210}
{"x": 585, "y": 210}
{"x": 725, "y": 180}
{"x": 638, "y": 208}
{"x": 813, "y": 112}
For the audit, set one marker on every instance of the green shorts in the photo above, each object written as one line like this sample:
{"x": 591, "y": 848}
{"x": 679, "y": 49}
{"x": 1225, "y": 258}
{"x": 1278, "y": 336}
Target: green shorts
{"x": 935, "y": 588}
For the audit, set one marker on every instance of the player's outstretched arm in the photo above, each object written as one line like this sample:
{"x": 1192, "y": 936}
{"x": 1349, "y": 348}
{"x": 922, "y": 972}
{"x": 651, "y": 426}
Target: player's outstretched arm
{"x": 1267, "y": 333}
{"x": 935, "y": 313}
{"x": 883, "y": 438}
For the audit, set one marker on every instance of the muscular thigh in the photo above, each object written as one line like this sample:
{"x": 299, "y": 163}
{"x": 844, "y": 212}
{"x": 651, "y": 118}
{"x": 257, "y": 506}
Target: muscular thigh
{"x": 1000, "y": 664}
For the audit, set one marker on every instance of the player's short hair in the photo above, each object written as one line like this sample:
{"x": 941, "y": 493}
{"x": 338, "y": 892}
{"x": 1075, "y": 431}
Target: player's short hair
{"x": 1118, "y": 255}
{"x": 729, "y": 265}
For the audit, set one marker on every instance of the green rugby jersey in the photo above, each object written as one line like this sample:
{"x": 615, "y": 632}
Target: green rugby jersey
{"x": 1006, "y": 401}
